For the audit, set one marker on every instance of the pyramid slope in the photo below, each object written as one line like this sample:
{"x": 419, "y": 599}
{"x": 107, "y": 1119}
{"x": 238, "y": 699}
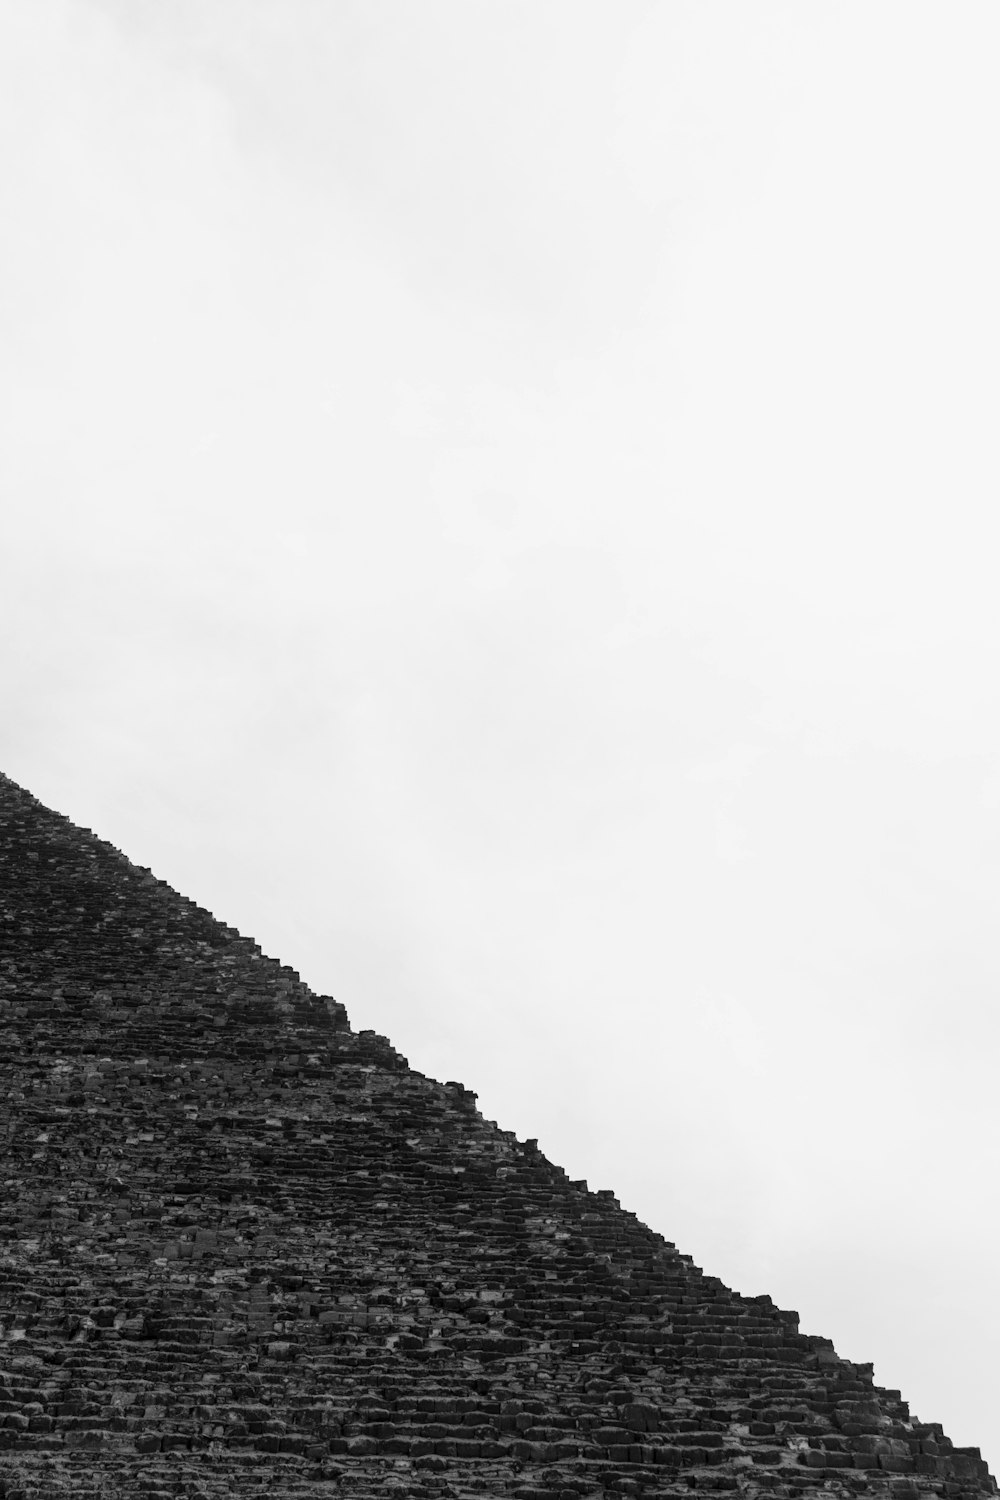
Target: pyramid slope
{"x": 245, "y": 1249}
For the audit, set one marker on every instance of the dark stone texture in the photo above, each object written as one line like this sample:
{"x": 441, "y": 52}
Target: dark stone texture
{"x": 247, "y": 1250}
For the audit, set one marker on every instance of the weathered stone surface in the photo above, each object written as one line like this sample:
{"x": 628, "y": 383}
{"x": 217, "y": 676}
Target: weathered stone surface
{"x": 245, "y": 1249}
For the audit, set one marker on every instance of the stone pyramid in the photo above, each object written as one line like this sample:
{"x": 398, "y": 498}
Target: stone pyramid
{"x": 246, "y": 1250}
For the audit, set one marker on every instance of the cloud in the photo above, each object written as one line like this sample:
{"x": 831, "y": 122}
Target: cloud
{"x": 499, "y": 505}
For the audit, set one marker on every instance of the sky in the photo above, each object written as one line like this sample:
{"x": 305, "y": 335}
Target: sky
{"x": 498, "y": 503}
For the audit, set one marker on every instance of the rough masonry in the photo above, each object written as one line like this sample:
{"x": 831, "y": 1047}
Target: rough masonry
{"x": 246, "y": 1250}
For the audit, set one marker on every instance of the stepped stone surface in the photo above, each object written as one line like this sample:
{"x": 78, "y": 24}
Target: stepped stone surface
{"x": 247, "y": 1250}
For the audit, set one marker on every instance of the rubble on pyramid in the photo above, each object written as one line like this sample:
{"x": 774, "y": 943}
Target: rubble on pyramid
{"x": 245, "y": 1249}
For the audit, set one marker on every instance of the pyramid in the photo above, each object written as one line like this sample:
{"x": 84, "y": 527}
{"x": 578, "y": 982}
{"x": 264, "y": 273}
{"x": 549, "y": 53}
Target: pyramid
{"x": 247, "y": 1250}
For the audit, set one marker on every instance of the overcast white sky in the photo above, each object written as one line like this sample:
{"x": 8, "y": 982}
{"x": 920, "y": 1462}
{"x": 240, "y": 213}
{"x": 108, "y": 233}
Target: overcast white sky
{"x": 499, "y": 503}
